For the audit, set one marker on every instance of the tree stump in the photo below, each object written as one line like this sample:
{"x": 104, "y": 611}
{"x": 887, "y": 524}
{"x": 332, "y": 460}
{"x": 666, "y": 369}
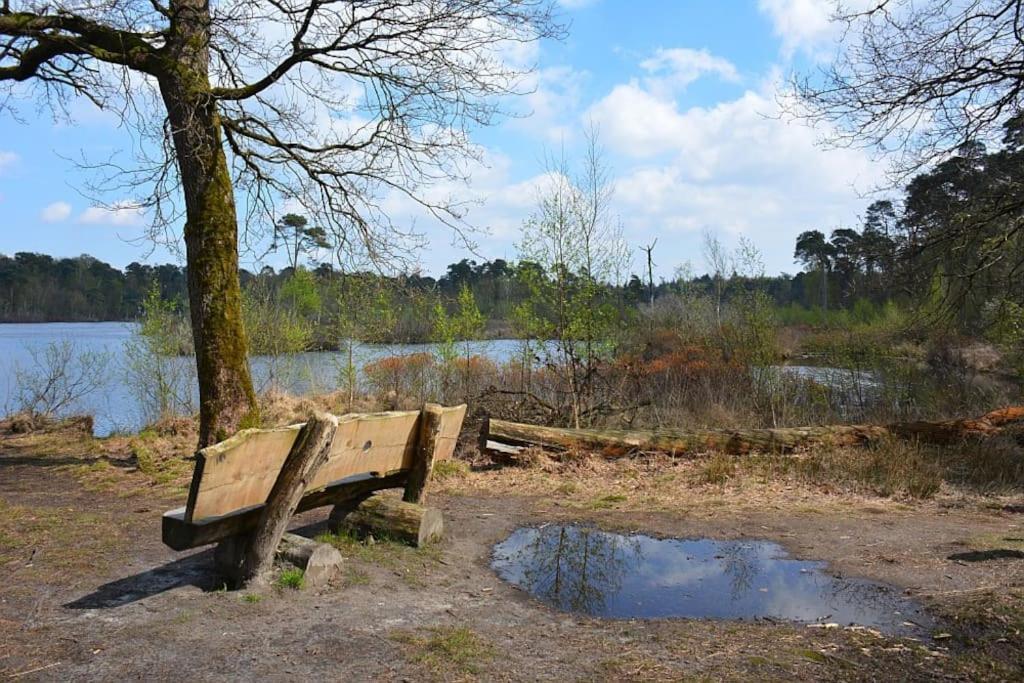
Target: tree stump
{"x": 391, "y": 519}
{"x": 320, "y": 562}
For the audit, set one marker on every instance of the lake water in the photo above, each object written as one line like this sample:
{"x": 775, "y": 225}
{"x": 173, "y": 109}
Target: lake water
{"x": 579, "y": 568}
{"x": 116, "y": 408}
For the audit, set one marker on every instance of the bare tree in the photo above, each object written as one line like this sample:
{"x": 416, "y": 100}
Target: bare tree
{"x": 920, "y": 78}
{"x": 332, "y": 104}
{"x": 721, "y": 265}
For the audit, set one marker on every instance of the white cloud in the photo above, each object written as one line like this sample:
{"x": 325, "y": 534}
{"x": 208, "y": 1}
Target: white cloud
{"x": 676, "y": 68}
{"x": 7, "y": 159}
{"x": 735, "y": 167}
{"x": 55, "y": 212}
{"x": 121, "y": 214}
{"x": 801, "y": 24}
{"x": 550, "y": 108}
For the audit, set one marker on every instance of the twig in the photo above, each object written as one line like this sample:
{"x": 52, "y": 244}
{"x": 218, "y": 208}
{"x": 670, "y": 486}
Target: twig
{"x": 35, "y": 670}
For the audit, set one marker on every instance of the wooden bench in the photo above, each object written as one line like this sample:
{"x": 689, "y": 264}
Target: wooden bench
{"x": 232, "y": 481}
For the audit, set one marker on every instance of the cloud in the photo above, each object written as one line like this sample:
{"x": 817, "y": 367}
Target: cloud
{"x": 55, "y": 212}
{"x": 549, "y": 109}
{"x": 676, "y": 68}
{"x": 736, "y": 167}
{"x": 121, "y": 214}
{"x": 801, "y": 24}
{"x": 7, "y": 159}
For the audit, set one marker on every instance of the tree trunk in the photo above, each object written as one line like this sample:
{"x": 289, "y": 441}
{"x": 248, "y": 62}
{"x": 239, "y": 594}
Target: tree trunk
{"x": 614, "y": 442}
{"x": 824, "y": 287}
{"x": 227, "y": 401}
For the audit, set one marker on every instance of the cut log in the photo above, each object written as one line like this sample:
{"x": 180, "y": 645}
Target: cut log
{"x": 426, "y": 447}
{"x": 389, "y": 518}
{"x": 614, "y": 442}
{"x": 320, "y": 562}
{"x": 307, "y": 455}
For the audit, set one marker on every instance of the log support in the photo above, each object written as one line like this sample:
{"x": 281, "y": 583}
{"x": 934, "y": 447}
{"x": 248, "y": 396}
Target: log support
{"x": 388, "y": 518}
{"x": 308, "y": 454}
{"x": 426, "y": 448}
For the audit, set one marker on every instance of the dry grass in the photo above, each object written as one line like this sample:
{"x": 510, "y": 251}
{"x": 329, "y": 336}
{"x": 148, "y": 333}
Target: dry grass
{"x": 447, "y": 652}
{"x": 64, "y": 539}
{"x": 893, "y": 471}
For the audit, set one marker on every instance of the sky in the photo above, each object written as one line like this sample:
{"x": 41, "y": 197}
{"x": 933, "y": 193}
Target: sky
{"x": 683, "y": 95}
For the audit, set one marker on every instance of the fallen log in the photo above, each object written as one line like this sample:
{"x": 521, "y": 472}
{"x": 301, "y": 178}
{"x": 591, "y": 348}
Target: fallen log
{"x": 500, "y": 435}
{"x": 392, "y": 519}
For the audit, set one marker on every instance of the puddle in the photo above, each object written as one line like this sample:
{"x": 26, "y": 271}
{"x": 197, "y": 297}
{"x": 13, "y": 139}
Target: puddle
{"x": 582, "y": 569}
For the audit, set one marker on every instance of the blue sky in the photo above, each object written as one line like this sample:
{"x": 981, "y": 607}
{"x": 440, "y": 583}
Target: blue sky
{"x": 682, "y": 92}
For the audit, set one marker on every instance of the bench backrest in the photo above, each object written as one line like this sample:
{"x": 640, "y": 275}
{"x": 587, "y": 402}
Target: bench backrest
{"x": 238, "y": 473}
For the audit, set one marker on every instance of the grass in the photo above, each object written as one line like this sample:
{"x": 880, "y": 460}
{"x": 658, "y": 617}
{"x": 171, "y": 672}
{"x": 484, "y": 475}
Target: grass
{"x": 718, "y": 469}
{"x": 607, "y": 502}
{"x": 294, "y": 579}
{"x": 903, "y": 469}
{"x": 446, "y": 651}
{"x": 252, "y": 598}
{"x": 450, "y": 469}
{"x": 61, "y": 537}
{"x": 167, "y": 469}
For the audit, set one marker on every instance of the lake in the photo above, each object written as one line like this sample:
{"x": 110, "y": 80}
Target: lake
{"x": 114, "y": 406}
{"x": 850, "y": 394}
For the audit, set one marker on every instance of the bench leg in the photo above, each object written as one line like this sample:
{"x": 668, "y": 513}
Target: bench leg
{"x": 228, "y": 557}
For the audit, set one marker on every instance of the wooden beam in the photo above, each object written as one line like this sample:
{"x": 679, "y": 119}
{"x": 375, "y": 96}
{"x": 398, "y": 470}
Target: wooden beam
{"x": 426, "y": 447}
{"x": 306, "y": 457}
{"x": 180, "y": 534}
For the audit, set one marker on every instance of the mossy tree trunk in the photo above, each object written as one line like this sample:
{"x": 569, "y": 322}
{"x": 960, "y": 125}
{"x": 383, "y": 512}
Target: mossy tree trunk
{"x": 227, "y": 401}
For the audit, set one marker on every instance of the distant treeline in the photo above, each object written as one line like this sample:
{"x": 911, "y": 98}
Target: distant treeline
{"x": 40, "y": 288}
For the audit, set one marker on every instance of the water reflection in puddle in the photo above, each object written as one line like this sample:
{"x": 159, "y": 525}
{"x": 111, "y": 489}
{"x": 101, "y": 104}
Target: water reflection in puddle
{"x": 578, "y": 568}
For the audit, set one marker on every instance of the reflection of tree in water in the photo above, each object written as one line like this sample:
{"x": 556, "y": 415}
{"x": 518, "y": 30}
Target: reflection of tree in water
{"x": 577, "y": 568}
{"x": 742, "y": 565}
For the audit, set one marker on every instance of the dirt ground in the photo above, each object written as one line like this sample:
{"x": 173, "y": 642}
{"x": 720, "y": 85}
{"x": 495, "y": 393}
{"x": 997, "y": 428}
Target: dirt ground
{"x": 88, "y": 591}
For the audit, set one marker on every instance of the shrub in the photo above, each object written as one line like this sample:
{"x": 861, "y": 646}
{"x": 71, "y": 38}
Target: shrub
{"x": 400, "y": 377}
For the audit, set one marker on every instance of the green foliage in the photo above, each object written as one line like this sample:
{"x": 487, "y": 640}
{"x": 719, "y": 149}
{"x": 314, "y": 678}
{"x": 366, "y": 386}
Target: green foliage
{"x": 299, "y": 238}
{"x": 466, "y": 324}
{"x": 159, "y": 362}
{"x": 273, "y": 328}
{"x": 300, "y": 293}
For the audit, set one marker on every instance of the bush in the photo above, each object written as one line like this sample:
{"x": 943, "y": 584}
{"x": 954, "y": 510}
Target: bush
{"x": 398, "y": 378}
{"x": 59, "y": 376}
